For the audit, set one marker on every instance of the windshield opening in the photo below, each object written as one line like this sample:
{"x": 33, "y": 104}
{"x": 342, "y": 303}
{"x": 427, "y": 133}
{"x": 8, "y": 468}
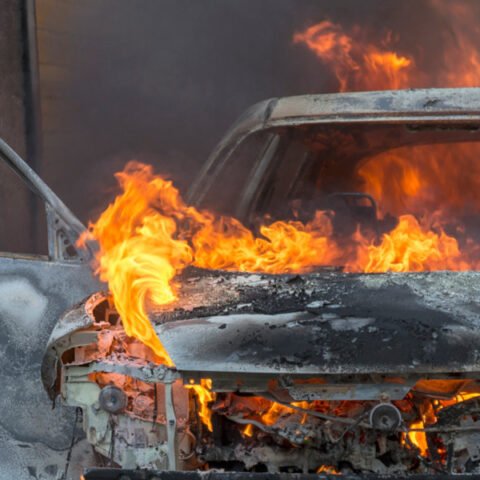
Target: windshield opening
{"x": 388, "y": 197}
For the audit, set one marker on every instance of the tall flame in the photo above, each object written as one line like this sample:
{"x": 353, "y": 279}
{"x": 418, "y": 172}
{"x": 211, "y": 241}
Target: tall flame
{"x": 139, "y": 256}
{"x": 419, "y": 439}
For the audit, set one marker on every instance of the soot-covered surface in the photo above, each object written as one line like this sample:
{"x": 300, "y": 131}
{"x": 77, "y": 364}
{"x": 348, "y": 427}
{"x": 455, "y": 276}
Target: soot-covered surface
{"x": 326, "y": 322}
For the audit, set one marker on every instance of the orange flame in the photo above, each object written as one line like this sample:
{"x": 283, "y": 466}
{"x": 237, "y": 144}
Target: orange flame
{"x": 418, "y": 180}
{"x": 361, "y": 64}
{"x": 328, "y": 469}
{"x": 139, "y": 255}
{"x": 461, "y": 58}
{"x": 248, "y": 430}
{"x": 409, "y": 248}
{"x": 205, "y": 397}
{"x": 419, "y": 439}
{"x": 358, "y": 65}
{"x": 226, "y": 244}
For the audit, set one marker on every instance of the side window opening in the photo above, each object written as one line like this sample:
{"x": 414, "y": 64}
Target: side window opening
{"x": 274, "y": 197}
{"x": 231, "y": 181}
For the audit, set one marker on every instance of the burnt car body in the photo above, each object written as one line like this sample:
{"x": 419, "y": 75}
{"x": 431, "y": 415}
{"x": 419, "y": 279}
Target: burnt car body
{"x": 374, "y": 340}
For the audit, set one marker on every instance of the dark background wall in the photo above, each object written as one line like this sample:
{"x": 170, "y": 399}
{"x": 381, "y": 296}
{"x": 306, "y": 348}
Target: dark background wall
{"x": 18, "y": 207}
{"x": 160, "y": 81}
{"x": 12, "y": 119}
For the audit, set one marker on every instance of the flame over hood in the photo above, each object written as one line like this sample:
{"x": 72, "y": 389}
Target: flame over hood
{"x": 149, "y": 234}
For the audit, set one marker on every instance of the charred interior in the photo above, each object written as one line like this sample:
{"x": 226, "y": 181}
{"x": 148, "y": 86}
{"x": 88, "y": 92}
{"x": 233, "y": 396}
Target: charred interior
{"x": 363, "y": 178}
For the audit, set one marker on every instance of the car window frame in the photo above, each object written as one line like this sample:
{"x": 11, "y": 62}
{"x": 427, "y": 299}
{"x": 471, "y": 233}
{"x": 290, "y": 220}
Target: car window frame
{"x": 63, "y": 227}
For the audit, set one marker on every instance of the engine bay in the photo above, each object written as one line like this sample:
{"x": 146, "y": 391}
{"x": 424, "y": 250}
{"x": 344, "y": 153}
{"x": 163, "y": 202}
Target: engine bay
{"x": 140, "y": 413}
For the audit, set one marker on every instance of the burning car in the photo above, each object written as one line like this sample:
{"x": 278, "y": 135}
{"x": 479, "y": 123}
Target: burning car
{"x": 310, "y": 324}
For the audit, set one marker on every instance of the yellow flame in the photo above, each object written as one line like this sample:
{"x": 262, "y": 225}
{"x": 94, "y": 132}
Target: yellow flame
{"x": 205, "y": 397}
{"x": 419, "y": 439}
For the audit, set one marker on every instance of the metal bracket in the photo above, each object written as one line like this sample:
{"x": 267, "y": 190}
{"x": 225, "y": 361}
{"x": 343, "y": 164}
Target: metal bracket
{"x": 171, "y": 427}
{"x": 61, "y": 243}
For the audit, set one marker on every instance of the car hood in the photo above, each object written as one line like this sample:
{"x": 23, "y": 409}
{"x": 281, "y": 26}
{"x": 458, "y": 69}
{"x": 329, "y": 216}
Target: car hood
{"x": 324, "y": 323}
{"x": 319, "y": 323}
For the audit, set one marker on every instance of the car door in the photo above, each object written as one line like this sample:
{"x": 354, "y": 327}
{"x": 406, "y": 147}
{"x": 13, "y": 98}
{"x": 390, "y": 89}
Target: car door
{"x": 35, "y": 288}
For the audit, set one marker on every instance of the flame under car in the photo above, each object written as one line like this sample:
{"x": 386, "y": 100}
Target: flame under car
{"x": 333, "y": 370}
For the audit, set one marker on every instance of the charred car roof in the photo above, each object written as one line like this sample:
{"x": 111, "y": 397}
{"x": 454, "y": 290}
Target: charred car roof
{"x": 419, "y": 108}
